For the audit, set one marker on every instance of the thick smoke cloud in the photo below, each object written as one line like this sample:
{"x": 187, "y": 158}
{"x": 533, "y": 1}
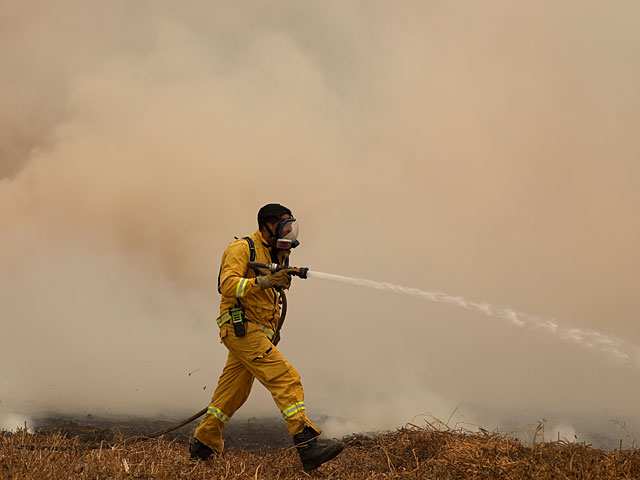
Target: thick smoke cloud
{"x": 486, "y": 150}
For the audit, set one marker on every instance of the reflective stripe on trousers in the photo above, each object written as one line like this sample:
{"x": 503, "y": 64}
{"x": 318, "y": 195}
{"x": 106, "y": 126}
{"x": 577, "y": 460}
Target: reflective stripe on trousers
{"x": 216, "y": 412}
{"x": 293, "y": 409}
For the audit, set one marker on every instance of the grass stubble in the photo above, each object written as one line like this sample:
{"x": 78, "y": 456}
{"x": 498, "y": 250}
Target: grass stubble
{"x": 409, "y": 453}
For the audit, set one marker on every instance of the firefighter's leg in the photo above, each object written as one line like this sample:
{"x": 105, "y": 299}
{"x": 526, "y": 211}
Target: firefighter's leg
{"x": 232, "y": 391}
{"x": 265, "y": 362}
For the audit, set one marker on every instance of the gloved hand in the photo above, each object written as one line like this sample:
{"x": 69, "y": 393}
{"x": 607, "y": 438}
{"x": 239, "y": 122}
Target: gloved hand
{"x": 281, "y": 279}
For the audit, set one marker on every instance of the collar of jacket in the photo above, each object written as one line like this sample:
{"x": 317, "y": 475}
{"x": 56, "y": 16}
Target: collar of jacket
{"x": 262, "y": 240}
{"x": 274, "y": 255}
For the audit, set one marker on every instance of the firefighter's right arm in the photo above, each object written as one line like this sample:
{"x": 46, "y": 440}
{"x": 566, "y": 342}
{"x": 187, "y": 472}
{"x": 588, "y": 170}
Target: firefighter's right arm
{"x": 233, "y": 282}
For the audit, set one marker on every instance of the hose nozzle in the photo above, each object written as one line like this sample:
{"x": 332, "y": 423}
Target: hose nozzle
{"x": 274, "y": 267}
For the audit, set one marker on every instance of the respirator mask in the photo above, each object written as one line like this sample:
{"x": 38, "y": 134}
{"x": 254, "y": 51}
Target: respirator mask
{"x": 287, "y": 234}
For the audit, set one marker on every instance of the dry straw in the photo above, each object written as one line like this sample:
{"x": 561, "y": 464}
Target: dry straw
{"x": 431, "y": 452}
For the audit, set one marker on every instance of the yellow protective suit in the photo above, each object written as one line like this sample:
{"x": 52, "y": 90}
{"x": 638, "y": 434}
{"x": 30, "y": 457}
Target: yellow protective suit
{"x": 251, "y": 356}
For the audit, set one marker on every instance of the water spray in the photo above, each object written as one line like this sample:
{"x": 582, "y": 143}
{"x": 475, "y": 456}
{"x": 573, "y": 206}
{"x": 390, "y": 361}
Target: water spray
{"x": 620, "y": 350}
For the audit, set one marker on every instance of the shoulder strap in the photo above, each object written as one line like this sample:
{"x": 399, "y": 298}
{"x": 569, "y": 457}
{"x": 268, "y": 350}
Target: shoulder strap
{"x": 252, "y": 257}
{"x": 252, "y": 249}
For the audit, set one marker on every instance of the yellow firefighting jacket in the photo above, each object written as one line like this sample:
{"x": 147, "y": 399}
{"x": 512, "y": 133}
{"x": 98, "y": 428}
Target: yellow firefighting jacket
{"x": 237, "y": 284}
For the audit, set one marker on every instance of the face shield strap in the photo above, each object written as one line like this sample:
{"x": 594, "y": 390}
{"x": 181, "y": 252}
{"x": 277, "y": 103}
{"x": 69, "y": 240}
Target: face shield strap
{"x": 272, "y": 234}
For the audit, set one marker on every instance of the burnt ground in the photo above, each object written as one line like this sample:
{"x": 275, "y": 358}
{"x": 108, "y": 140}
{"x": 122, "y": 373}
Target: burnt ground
{"x": 250, "y": 434}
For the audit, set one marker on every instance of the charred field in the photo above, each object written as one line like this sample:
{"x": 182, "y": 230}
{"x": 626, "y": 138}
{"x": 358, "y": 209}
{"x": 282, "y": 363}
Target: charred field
{"x": 258, "y": 449}
{"x": 247, "y": 434}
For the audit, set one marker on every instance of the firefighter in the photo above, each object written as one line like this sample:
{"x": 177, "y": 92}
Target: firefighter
{"x": 249, "y": 313}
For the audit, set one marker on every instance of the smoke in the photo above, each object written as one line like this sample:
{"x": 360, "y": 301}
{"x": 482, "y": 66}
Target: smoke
{"x": 485, "y": 150}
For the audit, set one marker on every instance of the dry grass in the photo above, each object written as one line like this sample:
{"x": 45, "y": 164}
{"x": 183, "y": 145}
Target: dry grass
{"x": 410, "y": 453}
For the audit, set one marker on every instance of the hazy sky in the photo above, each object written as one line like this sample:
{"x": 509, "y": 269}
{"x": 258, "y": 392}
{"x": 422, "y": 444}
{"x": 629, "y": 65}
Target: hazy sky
{"x": 485, "y": 149}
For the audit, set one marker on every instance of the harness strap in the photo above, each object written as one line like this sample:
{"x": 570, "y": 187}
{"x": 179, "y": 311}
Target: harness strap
{"x": 252, "y": 249}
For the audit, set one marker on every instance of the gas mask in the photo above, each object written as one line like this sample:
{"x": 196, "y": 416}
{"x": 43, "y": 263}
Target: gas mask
{"x": 287, "y": 234}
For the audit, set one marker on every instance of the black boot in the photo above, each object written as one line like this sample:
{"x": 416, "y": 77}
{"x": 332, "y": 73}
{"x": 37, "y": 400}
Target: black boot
{"x": 199, "y": 451}
{"x": 314, "y": 452}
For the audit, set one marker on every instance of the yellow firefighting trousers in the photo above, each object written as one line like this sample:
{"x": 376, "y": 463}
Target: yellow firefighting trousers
{"x": 252, "y": 356}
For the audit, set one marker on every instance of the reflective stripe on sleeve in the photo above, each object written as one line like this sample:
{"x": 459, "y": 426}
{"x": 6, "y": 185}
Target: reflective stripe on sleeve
{"x": 216, "y": 412}
{"x": 293, "y": 409}
{"x": 242, "y": 284}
